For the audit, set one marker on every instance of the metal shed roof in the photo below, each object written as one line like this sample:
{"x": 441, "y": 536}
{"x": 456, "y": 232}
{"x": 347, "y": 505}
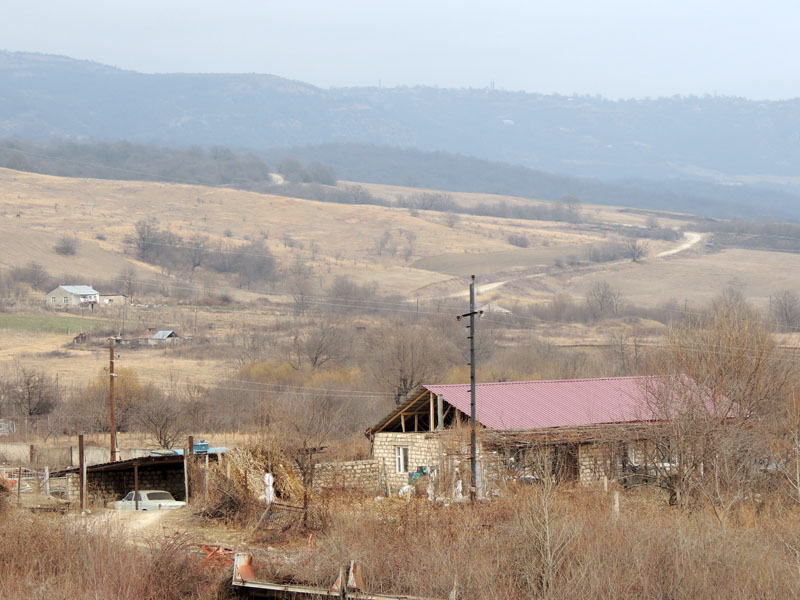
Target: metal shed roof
{"x": 80, "y": 290}
{"x": 521, "y": 405}
{"x": 163, "y": 335}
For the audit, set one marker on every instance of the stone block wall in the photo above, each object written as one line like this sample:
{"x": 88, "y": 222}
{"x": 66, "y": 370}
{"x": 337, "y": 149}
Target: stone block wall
{"x": 424, "y": 449}
{"x": 593, "y": 462}
{"x": 364, "y": 475}
{"x": 598, "y": 460}
{"x": 113, "y": 485}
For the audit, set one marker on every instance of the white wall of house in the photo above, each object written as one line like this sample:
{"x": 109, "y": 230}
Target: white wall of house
{"x": 62, "y": 298}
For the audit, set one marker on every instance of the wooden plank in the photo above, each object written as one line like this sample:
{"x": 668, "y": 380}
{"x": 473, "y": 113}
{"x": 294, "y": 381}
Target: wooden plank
{"x": 416, "y": 422}
{"x": 430, "y": 406}
{"x": 447, "y": 412}
{"x": 403, "y": 422}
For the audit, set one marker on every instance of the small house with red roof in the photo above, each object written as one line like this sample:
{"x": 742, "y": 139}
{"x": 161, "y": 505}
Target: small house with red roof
{"x": 588, "y": 425}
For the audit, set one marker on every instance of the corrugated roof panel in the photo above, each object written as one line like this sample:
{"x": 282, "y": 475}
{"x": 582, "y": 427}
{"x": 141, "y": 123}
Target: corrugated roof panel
{"x": 523, "y": 405}
{"x": 163, "y": 335}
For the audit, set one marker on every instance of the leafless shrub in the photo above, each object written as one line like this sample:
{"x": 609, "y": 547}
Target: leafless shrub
{"x": 518, "y": 240}
{"x": 67, "y": 245}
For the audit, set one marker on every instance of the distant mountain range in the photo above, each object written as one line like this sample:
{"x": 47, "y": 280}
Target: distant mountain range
{"x": 717, "y": 147}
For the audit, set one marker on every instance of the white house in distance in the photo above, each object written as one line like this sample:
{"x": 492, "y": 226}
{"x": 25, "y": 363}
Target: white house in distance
{"x": 66, "y": 296}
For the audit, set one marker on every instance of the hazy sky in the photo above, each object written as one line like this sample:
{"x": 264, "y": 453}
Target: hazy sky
{"x": 616, "y": 48}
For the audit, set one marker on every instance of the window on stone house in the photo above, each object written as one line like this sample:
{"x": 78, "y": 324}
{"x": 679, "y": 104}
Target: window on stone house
{"x": 401, "y": 458}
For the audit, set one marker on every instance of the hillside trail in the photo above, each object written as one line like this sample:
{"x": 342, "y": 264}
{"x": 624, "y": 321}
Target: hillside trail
{"x": 691, "y": 239}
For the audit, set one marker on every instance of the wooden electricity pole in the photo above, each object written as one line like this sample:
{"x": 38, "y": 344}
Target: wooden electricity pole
{"x": 113, "y": 419}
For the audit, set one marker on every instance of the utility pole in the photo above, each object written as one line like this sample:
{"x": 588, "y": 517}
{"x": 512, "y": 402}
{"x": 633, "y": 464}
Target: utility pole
{"x": 473, "y": 453}
{"x": 113, "y": 419}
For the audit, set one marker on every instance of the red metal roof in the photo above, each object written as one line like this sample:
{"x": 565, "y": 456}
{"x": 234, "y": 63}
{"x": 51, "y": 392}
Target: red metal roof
{"x": 520, "y": 405}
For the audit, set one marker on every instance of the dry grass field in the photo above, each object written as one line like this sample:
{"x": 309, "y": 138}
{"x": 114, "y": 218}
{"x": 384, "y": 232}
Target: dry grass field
{"x": 331, "y": 238}
{"x": 423, "y": 257}
{"x": 696, "y": 277}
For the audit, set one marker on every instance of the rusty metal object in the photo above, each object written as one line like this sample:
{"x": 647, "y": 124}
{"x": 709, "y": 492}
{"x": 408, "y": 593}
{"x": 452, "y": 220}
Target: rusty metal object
{"x": 217, "y": 555}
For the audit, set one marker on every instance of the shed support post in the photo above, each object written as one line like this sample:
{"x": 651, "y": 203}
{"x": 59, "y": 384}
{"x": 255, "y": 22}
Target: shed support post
{"x": 205, "y": 480}
{"x": 136, "y": 486}
{"x": 430, "y": 411}
{"x": 186, "y": 475}
{"x": 439, "y": 413}
{"x": 82, "y": 471}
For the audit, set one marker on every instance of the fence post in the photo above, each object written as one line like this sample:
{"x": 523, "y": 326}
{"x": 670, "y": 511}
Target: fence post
{"x": 615, "y": 505}
{"x": 47, "y": 481}
{"x": 19, "y": 486}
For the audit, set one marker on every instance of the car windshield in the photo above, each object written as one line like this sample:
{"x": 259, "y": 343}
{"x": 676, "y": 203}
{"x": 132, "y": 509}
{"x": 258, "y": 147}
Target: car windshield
{"x": 160, "y": 496}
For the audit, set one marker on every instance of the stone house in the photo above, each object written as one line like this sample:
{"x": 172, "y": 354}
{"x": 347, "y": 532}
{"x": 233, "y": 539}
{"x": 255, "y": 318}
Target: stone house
{"x": 167, "y": 336}
{"x": 69, "y": 296}
{"x": 593, "y": 428}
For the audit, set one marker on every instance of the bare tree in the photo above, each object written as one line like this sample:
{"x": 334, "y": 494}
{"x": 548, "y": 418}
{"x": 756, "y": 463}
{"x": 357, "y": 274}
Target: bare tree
{"x": 542, "y": 519}
{"x": 162, "y": 417}
{"x": 196, "y": 250}
{"x": 144, "y": 238}
{"x": 788, "y": 458}
{"x": 635, "y": 249}
{"x": 784, "y": 308}
{"x": 652, "y": 222}
{"x": 573, "y": 206}
{"x": 603, "y": 300}
{"x": 402, "y": 357}
{"x": 28, "y": 393}
{"x": 317, "y": 344}
{"x": 302, "y": 427}
{"x": 301, "y": 289}
{"x": 127, "y": 280}
{"x": 721, "y": 386}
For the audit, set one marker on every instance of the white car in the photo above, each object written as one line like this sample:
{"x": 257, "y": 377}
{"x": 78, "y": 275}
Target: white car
{"x": 149, "y": 500}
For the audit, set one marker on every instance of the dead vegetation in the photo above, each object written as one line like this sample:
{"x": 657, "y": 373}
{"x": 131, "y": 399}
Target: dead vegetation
{"x": 41, "y": 557}
{"x": 560, "y": 542}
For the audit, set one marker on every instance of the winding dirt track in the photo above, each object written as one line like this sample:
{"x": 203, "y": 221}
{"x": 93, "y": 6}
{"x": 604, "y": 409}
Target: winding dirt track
{"x": 691, "y": 238}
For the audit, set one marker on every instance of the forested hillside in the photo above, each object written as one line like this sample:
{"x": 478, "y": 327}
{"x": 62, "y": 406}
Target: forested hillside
{"x": 45, "y": 96}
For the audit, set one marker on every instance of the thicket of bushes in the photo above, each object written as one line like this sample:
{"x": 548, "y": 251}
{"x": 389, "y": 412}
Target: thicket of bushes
{"x": 45, "y": 558}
